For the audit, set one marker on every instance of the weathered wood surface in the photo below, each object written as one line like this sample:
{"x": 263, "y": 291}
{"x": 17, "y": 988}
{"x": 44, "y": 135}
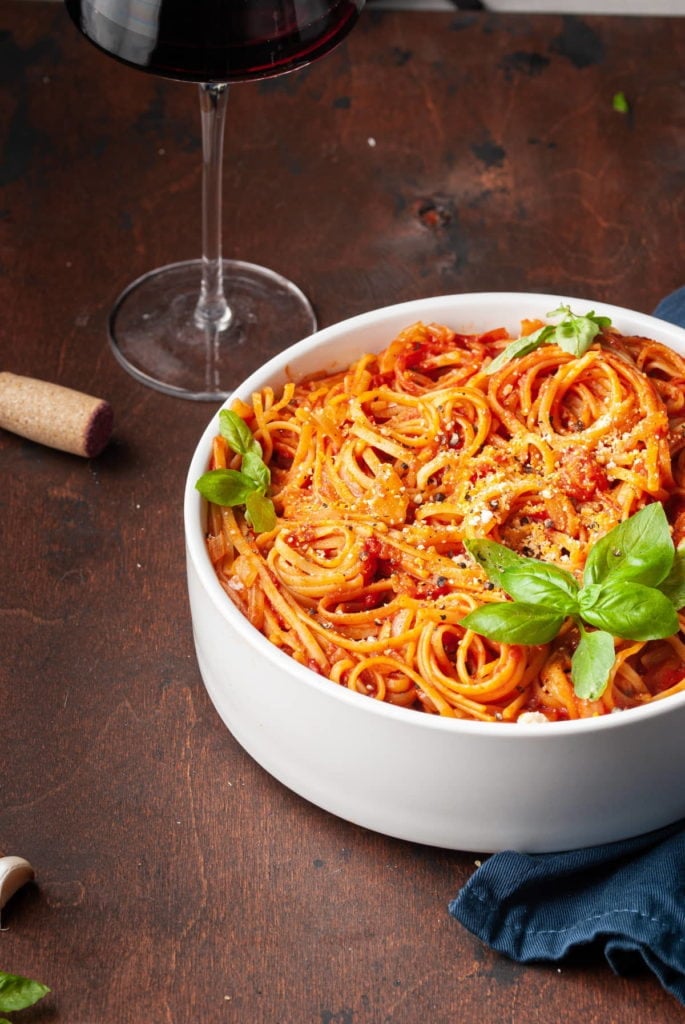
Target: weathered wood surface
{"x": 431, "y": 153}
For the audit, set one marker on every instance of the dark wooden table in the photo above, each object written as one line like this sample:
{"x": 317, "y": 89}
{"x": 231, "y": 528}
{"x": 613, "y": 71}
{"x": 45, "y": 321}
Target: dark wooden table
{"x": 176, "y": 881}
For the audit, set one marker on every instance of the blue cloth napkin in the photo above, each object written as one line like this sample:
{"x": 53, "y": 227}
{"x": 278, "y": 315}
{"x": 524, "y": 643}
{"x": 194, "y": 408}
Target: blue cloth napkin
{"x": 625, "y": 899}
{"x": 672, "y": 308}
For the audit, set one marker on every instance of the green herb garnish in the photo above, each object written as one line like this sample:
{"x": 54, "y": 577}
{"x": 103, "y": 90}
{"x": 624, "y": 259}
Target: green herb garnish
{"x": 633, "y": 584}
{"x": 620, "y": 103}
{"x": 17, "y": 993}
{"x": 246, "y": 486}
{"x": 574, "y": 334}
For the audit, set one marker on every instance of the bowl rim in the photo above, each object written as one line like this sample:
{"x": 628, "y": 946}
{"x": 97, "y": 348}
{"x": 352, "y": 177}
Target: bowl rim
{"x": 277, "y": 367}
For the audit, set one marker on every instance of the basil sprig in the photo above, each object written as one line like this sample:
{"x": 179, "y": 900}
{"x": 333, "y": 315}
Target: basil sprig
{"x": 245, "y": 486}
{"x": 574, "y": 334}
{"x": 17, "y": 993}
{"x": 633, "y": 584}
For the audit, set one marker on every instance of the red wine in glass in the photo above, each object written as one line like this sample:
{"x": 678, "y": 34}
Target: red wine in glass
{"x": 177, "y": 327}
{"x": 204, "y": 41}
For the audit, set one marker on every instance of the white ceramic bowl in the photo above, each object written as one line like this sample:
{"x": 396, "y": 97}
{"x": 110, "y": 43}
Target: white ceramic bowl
{"x": 445, "y": 782}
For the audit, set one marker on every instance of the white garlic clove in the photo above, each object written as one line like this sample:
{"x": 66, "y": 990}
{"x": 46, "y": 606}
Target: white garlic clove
{"x": 14, "y": 872}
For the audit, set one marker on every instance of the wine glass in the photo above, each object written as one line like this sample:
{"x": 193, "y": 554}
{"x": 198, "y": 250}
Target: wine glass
{"x": 177, "y": 327}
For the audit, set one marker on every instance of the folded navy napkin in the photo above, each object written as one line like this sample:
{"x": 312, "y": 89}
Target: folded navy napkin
{"x": 625, "y": 900}
{"x": 672, "y": 308}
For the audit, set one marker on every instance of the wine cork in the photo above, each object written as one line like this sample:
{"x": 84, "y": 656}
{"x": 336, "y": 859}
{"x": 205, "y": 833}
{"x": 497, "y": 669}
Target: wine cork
{"x": 14, "y": 872}
{"x": 55, "y": 416}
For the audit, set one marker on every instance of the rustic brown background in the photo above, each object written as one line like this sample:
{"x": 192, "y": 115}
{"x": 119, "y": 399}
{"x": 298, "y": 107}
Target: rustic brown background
{"x": 177, "y": 882}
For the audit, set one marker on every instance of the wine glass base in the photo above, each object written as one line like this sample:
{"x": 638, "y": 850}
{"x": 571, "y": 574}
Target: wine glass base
{"x": 155, "y": 337}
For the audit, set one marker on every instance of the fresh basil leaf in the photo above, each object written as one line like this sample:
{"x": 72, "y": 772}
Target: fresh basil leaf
{"x": 495, "y": 558}
{"x": 520, "y": 347}
{"x": 225, "y": 486}
{"x": 639, "y": 549}
{"x": 576, "y": 335}
{"x": 588, "y": 596}
{"x": 674, "y": 584}
{"x": 542, "y": 584}
{"x": 235, "y": 430}
{"x": 253, "y": 467}
{"x": 619, "y": 103}
{"x": 514, "y": 622}
{"x": 568, "y": 315}
{"x": 592, "y": 663}
{"x": 246, "y": 486}
{"x": 16, "y": 992}
{"x": 260, "y": 512}
{"x": 629, "y": 610}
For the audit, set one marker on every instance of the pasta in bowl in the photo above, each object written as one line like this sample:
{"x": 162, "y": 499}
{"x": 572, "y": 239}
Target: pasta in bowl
{"x": 355, "y": 623}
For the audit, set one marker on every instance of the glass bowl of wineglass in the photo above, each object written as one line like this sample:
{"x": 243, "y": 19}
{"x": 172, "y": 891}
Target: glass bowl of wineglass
{"x": 176, "y": 328}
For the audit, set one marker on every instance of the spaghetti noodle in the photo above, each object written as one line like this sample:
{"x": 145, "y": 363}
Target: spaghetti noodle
{"x": 380, "y": 472}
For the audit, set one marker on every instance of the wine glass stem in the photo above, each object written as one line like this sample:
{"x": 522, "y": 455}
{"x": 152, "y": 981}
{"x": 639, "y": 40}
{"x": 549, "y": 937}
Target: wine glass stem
{"x": 212, "y": 309}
